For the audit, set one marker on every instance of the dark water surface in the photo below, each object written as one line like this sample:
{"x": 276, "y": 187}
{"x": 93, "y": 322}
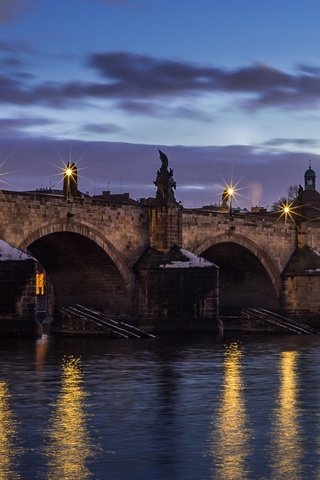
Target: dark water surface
{"x": 167, "y": 409}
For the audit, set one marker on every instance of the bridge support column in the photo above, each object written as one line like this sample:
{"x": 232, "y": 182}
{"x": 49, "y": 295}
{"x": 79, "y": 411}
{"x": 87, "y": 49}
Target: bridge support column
{"x": 176, "y": 291}
{"x": 18, "y": 296}
{"x": 300, "y": 295}
{"x": 165, "y": 227}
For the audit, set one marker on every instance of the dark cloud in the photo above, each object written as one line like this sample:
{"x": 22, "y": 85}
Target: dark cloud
{"x": 200, "y": 172}
{"x": 138, "y": 76}
{"x": 309, "y": 69}
{"x": 303, "y": 142}
{"x": 13, "y": 91}
{"x": 13, "y": 55}
{"x": 160, "y": 110}
{"x": 9, "y": 126}
{"x": 101, "y": 128}
{"x": 17, "y": 47}
{"x": 139, "y": 83}
{"x": 9, "y": 9}
{"x": 145, "y": 76}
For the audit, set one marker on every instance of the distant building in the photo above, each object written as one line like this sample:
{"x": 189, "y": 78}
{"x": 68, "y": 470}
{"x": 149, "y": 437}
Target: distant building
{"x": 307, "y": 203}
{"x": 123, "y": 198}
{"x": 258, "y": 210}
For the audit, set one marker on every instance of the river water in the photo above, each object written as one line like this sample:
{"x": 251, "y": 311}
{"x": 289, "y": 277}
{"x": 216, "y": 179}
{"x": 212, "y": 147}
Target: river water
{"x": 194, "y": 408}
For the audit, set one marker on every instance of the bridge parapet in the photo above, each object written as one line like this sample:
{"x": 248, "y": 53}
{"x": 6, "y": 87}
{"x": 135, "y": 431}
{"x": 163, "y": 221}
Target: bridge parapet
{"x": 126, "y": 227}
{"x": 204, "y": 229}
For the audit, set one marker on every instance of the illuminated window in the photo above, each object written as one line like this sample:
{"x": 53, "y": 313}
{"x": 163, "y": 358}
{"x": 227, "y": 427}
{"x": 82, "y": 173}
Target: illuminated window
{"x": 40, "y": 284}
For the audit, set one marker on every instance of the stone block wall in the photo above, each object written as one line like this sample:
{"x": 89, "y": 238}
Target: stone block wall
{"x": 165, "y": 227}
{"x": 18, "y": 298}
{"x": 301, "y": 298}
{"x": 202, "y": 229}
{"x": 177, "y": 299}
{"x": 25, "y": 217}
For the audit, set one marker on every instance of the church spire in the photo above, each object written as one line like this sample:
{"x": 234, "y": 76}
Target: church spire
{"x": 310, "y": 179}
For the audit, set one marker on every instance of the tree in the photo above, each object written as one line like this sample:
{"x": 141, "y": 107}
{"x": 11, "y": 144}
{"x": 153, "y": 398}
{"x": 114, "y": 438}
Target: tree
{"x": 292, "y": 193}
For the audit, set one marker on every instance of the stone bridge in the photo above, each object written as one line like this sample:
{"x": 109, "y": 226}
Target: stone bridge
{"x": 88, "y": 247}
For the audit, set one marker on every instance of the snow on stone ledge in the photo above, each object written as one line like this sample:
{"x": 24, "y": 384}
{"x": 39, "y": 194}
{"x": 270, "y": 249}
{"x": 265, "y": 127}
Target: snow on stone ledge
{"x": 193, "y": 261}
{"x": 7, "y": 252}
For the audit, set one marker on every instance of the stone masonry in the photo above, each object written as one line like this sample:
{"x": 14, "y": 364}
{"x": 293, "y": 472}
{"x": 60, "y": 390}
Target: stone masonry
{"x": 121, "y": 232}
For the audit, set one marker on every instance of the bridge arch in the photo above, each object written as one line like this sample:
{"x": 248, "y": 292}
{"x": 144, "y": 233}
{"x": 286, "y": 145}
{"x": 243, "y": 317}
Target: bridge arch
{"x": 82, "y": 265}
{"x": 248, "y": 275}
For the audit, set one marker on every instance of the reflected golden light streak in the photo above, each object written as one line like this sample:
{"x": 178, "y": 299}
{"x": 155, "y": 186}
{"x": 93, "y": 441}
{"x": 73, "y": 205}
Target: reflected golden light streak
{"x": 8, "y": 440}
{"x": 288, "y": 451}
{"x": 69, "y": 444}
{"x": 232, "y": 433}
{"x": 41, "y": 351}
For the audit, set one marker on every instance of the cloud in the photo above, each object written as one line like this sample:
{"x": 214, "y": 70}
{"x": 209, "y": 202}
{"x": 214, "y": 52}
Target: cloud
{"x": 200, "y": 172}
{"x": 160, "y": 110}
{"x": 17, "y": 126}
{"x": 15, "y": 56}
{"x": 145, "y": 75}
{"x": 140, "y": 76}
{"x": 9, "y": 9}
{"x": 101, "y": 128}
{"x": 147, "y": 85}
{"x": 302, "y": 142}
{"x": 16, "y": 46}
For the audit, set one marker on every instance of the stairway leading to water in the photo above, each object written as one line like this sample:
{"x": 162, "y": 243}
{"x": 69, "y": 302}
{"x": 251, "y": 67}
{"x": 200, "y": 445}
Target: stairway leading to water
{"x": 278, "y": 321}
{"x": 80, "y": 319}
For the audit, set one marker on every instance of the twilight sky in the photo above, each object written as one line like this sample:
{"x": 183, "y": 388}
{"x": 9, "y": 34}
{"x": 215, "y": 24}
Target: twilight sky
{"x": 228, "y": 89}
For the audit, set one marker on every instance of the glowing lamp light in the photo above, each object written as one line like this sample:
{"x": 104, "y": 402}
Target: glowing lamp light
{"x": 68, "y": 172}
{"x": 230, "y": 191}
{"x": 286, "y": 209}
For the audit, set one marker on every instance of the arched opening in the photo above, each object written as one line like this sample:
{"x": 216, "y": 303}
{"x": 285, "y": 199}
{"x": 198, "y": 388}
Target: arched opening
{"x": 81, "y": 272}
{"x": 243, "y": 279}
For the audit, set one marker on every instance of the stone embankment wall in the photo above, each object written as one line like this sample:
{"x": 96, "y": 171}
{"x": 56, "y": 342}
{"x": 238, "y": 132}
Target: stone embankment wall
{"x": 18, "y": 298}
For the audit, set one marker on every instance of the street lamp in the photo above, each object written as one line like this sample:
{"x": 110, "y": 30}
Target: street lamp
{"x": 286, "y": 211}
{"x": 230, "y": 192}
{"x": 69, "y": 175}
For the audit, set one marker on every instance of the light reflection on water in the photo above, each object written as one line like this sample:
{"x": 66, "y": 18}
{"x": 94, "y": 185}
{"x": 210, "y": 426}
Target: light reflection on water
{"x": 155, "y": 408}
{"x": 287, "y": 448}
{"x": 231, "y": 433}
{"x": 9, "y": 449}
{"x": 69, "y": 444}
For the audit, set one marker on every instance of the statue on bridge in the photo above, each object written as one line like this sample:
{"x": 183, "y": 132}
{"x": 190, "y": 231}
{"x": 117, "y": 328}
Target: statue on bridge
{"x": 165, "y": 182}
{"x": 225, "y": 198}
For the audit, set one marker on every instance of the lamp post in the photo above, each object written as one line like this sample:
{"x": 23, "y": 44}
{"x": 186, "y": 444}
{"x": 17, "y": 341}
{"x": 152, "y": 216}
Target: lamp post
{"x": 68, "y": 177}
{"x": 230, "y": 192}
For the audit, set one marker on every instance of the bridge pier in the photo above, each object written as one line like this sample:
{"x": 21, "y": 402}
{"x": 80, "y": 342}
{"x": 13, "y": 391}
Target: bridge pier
{"x": 175, "y": 289}
{"x": 18, "y": 295}
{"x": 300, "y": 292}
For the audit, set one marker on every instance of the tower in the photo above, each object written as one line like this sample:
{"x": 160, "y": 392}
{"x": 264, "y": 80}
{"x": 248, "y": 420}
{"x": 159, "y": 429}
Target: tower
{"x": 310, "y": 179}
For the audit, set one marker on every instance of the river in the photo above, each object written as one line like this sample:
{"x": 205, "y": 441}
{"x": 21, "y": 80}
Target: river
{"x": 174, "y": 408}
